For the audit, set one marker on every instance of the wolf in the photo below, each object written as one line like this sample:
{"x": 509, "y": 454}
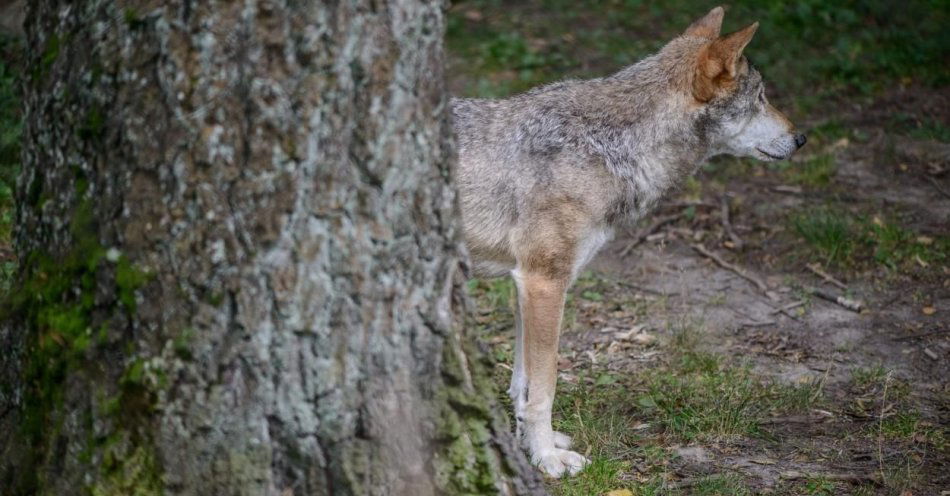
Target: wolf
{"x": 545, "y": 178}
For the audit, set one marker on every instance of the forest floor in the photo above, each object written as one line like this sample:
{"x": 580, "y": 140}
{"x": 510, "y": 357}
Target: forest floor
{"x": 681, "y": 374}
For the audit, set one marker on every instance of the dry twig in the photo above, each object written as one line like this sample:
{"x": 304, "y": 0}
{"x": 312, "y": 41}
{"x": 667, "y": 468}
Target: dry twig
{"x": 727, "y": 226}
{"x": 843, "y": 477}
{"x": 734, "y": 268}
{"x": 853, "y": 305}
{"x": 826, "y": 276}
{"x": 792, "y": 190}
{"x": 652, "y": 228}
{"x": 921, "y": 335}
{"x": 880, "y": 428}
{"x": 788, "y": 307}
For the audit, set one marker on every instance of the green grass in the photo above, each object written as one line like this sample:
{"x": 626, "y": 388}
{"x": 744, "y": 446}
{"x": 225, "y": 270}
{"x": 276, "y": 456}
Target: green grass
{"x": 819, "y": 487}
{"x": 839, "y": 237}
{"x": 920, "y": 127}
{"x": 704, "y": 398}
{"x": 495, "y": 294}
{"x": 815, "y": 172}
{"x": 599, "y": 477}
{"x": 810, "y": 50}
{"x": 864, "y": 377}
{"x": 630, "y": 424}
{"x": 827, "y": 231}
{"x": 720, "y": 485}
{"x": 695, "y": 396}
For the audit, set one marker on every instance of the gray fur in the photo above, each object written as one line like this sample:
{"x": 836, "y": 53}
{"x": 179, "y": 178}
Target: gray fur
{"x": 617, "y": 144}
{"x": 546, "y": 177}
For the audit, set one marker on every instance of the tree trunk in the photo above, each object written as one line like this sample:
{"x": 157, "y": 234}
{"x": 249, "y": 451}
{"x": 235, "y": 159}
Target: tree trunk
{"x": 240, "y": 271}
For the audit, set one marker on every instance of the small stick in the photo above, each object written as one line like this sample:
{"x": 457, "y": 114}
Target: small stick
{"x": 781, "y": 310}
{"x": 826, "y": 276}
{"x": 758, "y": 324}
{"x": 794, "y": 190}
{"x": 921, "y": 335}
{"x": 736, "y": 240}
{"x": 790, "y": 306}
{"x": 880, "y": 429}
{"x": 652, "y": 228}
{"x": 734, "y": 268}
{"x": 796, "y": 419}
{"x": 853, "y": 305}
{"x": 854, "y": 478}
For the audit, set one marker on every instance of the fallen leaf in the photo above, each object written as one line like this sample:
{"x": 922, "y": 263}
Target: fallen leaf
{"x": 925, "y": 240}
{"x": 631, "y": 333}
{"x": 644, "y": 338}
{"x": 619, "y": 492}
{"x": 928, "y": 310}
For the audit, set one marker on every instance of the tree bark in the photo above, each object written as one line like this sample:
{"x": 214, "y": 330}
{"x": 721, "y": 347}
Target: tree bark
{"x": 240, "y": 269}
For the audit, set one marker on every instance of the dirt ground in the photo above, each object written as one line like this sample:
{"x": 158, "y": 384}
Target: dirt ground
{"x": 877, "y": 412}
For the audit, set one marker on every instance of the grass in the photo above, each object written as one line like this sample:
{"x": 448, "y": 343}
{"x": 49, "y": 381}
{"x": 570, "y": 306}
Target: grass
{"x": 701, "y": 396}
{"x": 840, "y": 238}
{"x": 813, "y": 49}
{"x": 815, "y": 172}
{"x": 721, "y": 485}
{"x": 631, "y": 424}
{"x": 815, "y": 56}
{"x": 827, "y": 231}
{"x": 693, "y": 396}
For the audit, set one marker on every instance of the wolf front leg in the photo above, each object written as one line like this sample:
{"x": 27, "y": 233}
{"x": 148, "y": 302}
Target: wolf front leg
{"x": 541, "y": 302}
{"x": 518, "y": 388}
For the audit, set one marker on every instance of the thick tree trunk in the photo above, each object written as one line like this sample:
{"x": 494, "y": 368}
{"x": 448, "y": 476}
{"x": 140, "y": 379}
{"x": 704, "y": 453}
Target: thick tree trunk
{"x": 239, "y": 265}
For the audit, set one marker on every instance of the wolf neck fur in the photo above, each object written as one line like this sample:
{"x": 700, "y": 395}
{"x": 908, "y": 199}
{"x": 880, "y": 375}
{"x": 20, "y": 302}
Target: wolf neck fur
{"x": 655, "y": 133}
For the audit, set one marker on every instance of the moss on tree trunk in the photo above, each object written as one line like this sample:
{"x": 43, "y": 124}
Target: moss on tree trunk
{"x": 240, "y": 275}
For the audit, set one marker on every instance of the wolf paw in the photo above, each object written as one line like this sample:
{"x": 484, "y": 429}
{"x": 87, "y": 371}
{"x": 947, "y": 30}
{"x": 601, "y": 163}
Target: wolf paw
{"x": 562, "y": 440}
{"x": 557, "y": 462}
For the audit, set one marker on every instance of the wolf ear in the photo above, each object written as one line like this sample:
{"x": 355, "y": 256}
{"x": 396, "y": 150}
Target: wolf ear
{"x": 708, "y": 26}
{"x": 717, "y": 63}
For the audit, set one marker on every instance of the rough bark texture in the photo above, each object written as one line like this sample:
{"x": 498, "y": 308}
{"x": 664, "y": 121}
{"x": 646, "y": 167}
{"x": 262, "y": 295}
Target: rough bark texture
{"x": 239, "y": 263}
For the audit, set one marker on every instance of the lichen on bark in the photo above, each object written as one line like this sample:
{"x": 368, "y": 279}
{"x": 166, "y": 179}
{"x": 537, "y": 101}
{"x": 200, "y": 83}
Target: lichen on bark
{"x": 245, "y": 276}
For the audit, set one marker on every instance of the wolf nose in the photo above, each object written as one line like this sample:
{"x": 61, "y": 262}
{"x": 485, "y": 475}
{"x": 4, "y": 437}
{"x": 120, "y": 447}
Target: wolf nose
{"x": 800, "y": 140}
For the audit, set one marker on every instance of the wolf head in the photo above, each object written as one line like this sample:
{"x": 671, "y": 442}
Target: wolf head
{"x": 737, "y": 116}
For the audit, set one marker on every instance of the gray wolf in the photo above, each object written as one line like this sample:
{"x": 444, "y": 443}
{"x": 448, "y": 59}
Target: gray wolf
{"x": 546, "y": 177}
